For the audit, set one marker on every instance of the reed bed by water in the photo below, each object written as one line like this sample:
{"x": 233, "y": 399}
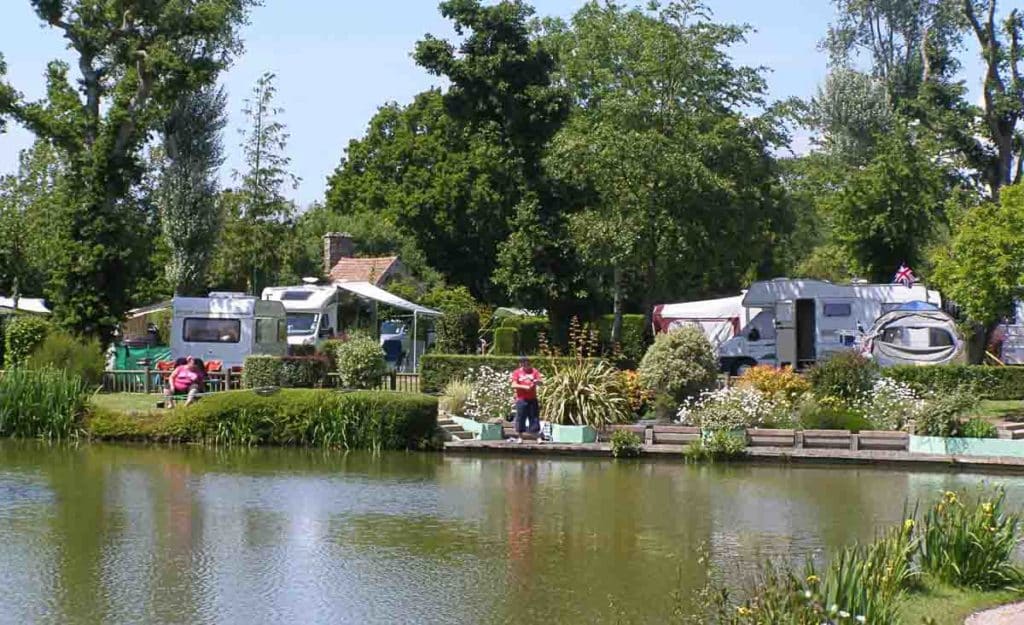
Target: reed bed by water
{"x": 45, "y": 403}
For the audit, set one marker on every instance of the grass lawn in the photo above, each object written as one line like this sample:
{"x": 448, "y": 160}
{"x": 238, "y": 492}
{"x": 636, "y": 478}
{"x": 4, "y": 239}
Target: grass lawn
{"x": 1002, "y": 410}
{"x": 941, "y": 605}
{"x": 126, "y": 403}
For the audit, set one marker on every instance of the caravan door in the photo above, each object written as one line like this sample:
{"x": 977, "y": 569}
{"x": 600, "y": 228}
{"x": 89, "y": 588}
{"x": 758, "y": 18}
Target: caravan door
{"x": 785, "y": 333}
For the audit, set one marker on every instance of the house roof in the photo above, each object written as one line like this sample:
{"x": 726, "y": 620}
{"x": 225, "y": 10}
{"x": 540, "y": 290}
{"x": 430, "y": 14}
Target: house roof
{"x": 372, "y": 270}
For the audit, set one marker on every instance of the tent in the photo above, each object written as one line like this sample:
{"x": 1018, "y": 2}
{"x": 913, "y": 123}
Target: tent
{"x": 915, "y": 333}
{"x": 720, "y": 319}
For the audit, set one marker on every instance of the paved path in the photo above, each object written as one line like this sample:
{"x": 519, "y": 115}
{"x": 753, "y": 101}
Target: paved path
{"x": 1007, "y": 615}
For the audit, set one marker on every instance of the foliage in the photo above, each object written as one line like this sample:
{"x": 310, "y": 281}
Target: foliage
{"x": 718, "y": 446}
{"x": 983, "y": 382}
{"x": 436, "y": 370}
{"x": 455, "y": 397}
{"x": 528, "y": 330}
{"x": 133, "y": 59}
{"x": 82, "y": 358}
{"x": 976, "y": 427}
{"x": 830, "y": 413}
{"x": 585, "y": 393}
{"x": 733, "y": 408}
{"x": 626, "y": 444}
{"x": 44, "y": 403}
{"x": 303, "y": 371}
{"x": 981, "y": 269}
{"x": 890, "y": 405}
{"x": 360, "y": 363}
{"x": 779, "y": 384}
{"x": 457, "y": 332}
{"x": 846, "y": 375}
{"x": 491, "y": 396}
{"x": 637, "y": 394}
{"x": 22, "y": 335}
{"x": 944, "y": 414}
{"x": 187, "y": 193}
{"x": 679, "y": 364}
{"x": 971, "y": 543}
{"x": 261, "y": 371}
{"x": 506, "y": 341}
{"x": 633, "y": 342}
{"x": 374, "y": 420}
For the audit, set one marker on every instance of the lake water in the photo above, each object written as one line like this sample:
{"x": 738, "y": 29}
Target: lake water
{"x": 117, "y": 534}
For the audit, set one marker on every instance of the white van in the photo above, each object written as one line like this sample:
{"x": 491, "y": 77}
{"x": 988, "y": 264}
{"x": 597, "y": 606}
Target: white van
{"x": 227, "y": 327}
{"x": 312, "y": 311}
{"x": 798, "y": 322}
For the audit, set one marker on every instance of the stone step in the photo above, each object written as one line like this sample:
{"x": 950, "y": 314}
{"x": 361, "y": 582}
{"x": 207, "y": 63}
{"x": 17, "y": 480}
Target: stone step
{"x": 1012, "y": 427}
{"x": 451, "y": 427}
{"x": 461, "y": 435}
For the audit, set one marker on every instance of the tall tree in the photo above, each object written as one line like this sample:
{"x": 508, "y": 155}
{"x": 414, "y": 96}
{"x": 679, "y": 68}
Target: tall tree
{"x": 187, "y": 196}
{"x": 135, "y": 58}
{"x": 257, "y": 216}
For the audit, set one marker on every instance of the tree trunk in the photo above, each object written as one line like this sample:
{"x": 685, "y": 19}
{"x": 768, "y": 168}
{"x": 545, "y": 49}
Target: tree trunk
{"x": 616, "y": 335}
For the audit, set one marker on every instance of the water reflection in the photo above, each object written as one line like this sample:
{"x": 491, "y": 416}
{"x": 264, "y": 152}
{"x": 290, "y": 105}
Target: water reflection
{"x": 119, "y": 534}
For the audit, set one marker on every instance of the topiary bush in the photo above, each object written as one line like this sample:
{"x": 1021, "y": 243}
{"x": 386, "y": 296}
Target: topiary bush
{"x": 303, "y": 371}
{"x": 261, "y": 371}
{"x": 845, "y": 374}
{"x": 22, "y": 335}
{"x": 506, "y": 341}
{"x": 457, "y": 332}
{"x": 679, "y": 364}
{"x": 360, "y": 363}
{"x": 529, "y": 331}
{"x": 81, "y": 358}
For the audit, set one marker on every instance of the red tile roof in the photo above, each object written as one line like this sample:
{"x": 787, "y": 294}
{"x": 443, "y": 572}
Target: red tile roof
{"x": 373, "y": 270}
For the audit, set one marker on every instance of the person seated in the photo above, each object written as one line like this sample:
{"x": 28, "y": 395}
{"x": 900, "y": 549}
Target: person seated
{"x": 183, "y": 381}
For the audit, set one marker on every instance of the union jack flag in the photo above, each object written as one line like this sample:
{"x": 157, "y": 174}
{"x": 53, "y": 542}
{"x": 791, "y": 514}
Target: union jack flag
{"x": 905, "y": 276}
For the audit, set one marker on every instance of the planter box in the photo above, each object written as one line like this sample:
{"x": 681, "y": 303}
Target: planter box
{"x": 966, "y": 446}
{"x": 481, "y": 431}
{"x": 573, "y": 434}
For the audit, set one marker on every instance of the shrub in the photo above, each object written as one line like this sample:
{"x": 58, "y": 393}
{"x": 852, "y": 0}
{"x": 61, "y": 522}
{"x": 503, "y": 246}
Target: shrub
{"x": 360, "y": 362}
{"x": 978, "y": 428}
{"x": 830, "y": 413}
{"x": 971, "y": 543}
{"x": 261, "y": 371}
{"x": 528, "y": 330}
{"x": 436, "y": 370}
{"x": 626, "y": 444}
{"x": 329, "y": 350}
{"x": 585, "y": 393}
{"x": 455, "y": 397}
{"x": 845, "y": 374}
{"x": 491, "y": 395}
{"x": 890, "y": 404}
{"x": 45, "y": 403}
{"x": 779, "y": 384}
{"x": 358, "y": 420}
{"x": 82, "y": 358}
{"x": 303, "y": 371}
{"x": 637, "y": 394}
{"x": 944, "y": 414}
{"x": 633, "y": 341}
{"x": 457, "y": 332}
{"x": 302, "y": 350}
{"x": 506, "y": 341}
{"x": 731, "y": 409}
{"x": 983, "y": 381}
{"x": 720, "y": 445}
{"x": 679, "y": 364}
{"x": 22, "y": 335}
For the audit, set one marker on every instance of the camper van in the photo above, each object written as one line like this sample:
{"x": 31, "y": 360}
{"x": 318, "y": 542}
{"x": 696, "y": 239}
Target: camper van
{"x": 311, "y": 310}
{"x": 795, "y": 322}
{"x": 227, "y": 327}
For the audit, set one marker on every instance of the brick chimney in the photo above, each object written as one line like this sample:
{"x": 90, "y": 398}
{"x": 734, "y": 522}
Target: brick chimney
{"x": 337, "y": 245}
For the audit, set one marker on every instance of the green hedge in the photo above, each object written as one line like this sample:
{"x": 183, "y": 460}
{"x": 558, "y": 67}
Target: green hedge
{"x": 437, "y": 369}
{"x": 985, "y": 381}
{"x": 457, "y": 332}
{"x": 314, "y": 417}
{"x": 286, "y": 371}
{"x": 529, "y": 330}
{"x": 22, "y": 335}
{"x": 633, "y": 344}
{"x": 506, "y": 341}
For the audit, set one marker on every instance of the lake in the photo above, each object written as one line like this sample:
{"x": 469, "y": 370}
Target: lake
{"x": 119, "y": 534}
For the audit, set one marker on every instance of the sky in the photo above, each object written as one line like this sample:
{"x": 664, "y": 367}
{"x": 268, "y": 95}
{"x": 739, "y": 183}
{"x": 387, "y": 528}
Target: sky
{"x": 337, "y": 61}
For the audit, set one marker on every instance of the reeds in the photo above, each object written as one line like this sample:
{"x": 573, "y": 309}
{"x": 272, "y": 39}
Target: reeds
{"x": 44, "y": 403}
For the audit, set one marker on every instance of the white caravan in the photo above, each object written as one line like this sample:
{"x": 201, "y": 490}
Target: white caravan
{"x": 227, "y": 327}
{"x": 800, "y": 321}
{"x": 312, "y": 311}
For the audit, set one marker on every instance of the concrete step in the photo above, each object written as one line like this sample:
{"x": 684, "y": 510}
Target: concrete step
{"x": 451, "y": 427}
{"x": 1012, "y": 427}
{"x": 461, "y": 435}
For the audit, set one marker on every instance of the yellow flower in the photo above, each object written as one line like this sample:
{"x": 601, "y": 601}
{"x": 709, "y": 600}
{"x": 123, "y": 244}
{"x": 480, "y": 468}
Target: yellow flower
{"x": 813, "y": 579}
{"x": 987, "y": 507}
{"x": 908, "y": 525}
{"x": 742, "y": 611}
{"x": 950, "y": 497}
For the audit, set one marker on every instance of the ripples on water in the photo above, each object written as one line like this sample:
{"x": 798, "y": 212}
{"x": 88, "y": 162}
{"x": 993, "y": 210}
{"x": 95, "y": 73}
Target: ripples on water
{"x": 128, "y": 535}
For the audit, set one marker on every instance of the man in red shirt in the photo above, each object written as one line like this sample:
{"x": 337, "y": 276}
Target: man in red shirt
{"x": 525, "y": 380}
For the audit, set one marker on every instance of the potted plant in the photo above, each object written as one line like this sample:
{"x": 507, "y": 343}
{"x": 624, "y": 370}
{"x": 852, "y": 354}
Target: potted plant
{"x": 581, "y": 398}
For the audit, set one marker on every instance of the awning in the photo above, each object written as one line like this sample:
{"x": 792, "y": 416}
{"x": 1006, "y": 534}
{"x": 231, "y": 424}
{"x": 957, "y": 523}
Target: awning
{"x": 369, "y": 291}
{"x": 25, "y": 304}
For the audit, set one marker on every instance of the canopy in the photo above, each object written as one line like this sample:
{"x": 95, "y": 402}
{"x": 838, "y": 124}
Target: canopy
{"x": 25, "y": 304}
{"x": 719, "y": 319}
{"x": 369, "y": 291}
{"x": 916, "y": 333}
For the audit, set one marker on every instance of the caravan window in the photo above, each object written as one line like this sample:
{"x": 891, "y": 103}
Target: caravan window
{"x": 837, "y": 309}
{"x": 204, "y": 330}
{"x": 300, "y": 323}
{"x": 268, "y": 330}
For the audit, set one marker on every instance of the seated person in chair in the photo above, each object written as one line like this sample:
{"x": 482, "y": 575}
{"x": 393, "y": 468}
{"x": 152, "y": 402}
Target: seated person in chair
{"x": 185, "y": 379}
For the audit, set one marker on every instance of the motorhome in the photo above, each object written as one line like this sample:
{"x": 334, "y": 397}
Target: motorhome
{"x": 227, "y": 327}
{"x": 795, "y": 322}
{"x": 311, "y": 311}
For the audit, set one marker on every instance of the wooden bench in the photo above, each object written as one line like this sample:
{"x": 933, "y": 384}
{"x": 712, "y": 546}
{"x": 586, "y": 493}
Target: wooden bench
{"x": 877, "y": 440}
{"x": 673, "y": 434}
{"x": 759, "y": 437}
{"x": 605, "y": 434}
{"x": 827, "y": 439}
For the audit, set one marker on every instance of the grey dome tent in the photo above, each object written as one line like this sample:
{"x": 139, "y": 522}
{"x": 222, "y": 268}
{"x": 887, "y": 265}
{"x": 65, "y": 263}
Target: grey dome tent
{"x": 914, "y": 333}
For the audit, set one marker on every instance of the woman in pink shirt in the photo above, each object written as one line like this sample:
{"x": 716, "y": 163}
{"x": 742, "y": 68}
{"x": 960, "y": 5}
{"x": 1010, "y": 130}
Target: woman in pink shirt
{"x": 184, "y": 379}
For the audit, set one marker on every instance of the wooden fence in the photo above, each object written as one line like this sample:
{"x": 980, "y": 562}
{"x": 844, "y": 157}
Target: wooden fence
{"x": 153, "y": 381}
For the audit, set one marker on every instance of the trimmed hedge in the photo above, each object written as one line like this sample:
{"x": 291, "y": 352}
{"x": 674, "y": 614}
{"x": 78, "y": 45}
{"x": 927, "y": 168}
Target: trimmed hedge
{"x": 22, "y": 335}
{"x": 436, "y": 370}
{"x": 506, "y": 341}
{"x": 529, "y": 330}
{"x": 284, "y": 371}
{"x": 457, "y": 332}
{"x": 313, "y": 417}
{"x": 984, "y": 381}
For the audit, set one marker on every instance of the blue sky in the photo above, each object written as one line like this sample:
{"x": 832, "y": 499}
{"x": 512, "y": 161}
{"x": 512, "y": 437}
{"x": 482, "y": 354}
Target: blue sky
{"x": 338, "y": 60}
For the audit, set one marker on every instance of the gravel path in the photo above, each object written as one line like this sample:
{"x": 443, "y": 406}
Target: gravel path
{"x": 1007, "y": 615}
